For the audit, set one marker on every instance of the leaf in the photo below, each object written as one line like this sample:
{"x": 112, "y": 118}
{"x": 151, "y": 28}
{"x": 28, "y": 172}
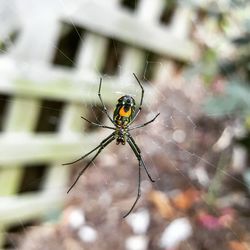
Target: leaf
{"x": 162, "y": 204}
{"x": 186, "y": 199}
{"x": 237, "y": 245}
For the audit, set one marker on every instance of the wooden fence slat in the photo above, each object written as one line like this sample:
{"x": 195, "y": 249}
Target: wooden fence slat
{"x": 149, "y": 11}
{"x": 17, "y": 208}
{"x": 21, "y": 117}
{"x": 92, "y": 53}
{"x": 37, "y": 39}
{"x": 10, "y": 179}
{"x": 61, "y": 85}
{"x": 133, "y": 58}
{"x": 71, "y": 123}
{"x": 42, "y": 148}
{"x": 181, "y": 22}
{"x": 56, "y": 178}
{"x": 132, "y": 61}
{"x": 124, "y": 26}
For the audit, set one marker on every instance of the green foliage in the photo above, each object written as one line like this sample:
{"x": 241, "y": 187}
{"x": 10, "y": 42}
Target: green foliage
{"x": 234, "y": 101}
{"x": 209, "y": 65}
{"x": 235, "y": 73}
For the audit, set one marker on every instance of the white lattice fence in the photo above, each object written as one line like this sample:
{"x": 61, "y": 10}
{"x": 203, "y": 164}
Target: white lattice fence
{"x": 27, "y": 76}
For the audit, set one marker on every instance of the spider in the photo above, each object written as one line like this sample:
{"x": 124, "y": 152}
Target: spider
{"x": 124, "y": 115}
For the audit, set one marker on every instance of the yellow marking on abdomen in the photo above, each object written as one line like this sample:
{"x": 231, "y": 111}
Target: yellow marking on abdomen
{"x": 123, "y": 112}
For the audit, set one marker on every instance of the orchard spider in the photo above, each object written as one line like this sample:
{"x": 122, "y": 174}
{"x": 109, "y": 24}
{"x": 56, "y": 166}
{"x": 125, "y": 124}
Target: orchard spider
{"x": 124, "y": 115}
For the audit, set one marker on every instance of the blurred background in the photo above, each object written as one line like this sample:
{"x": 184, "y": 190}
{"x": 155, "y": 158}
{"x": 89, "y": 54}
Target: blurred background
{"x": 192, "y": 58}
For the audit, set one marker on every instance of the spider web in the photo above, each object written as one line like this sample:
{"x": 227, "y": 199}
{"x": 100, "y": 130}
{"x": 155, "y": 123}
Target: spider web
{"x": 172, "y": 137}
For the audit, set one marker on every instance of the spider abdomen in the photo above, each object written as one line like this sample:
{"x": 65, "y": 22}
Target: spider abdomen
{"x": 124, "y": 111}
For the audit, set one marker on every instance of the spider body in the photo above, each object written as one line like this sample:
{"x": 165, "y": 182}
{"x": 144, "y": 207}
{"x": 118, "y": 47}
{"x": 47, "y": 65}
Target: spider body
{"x": 124, "y": 115}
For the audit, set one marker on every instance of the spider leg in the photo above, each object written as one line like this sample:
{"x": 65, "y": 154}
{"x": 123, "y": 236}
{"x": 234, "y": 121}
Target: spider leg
{"x": 144, "y": 124}
{"x": 96, "y": 124}
{"x": 103, "y": 144}
{"x": 142, "y": 95}
{"x": 138, "y": 192}
{"x": 100, "y": 145}
{"x": 103, "y": 105}
{"x": 137, "y": 153}
{"x": 142, "y": 90}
